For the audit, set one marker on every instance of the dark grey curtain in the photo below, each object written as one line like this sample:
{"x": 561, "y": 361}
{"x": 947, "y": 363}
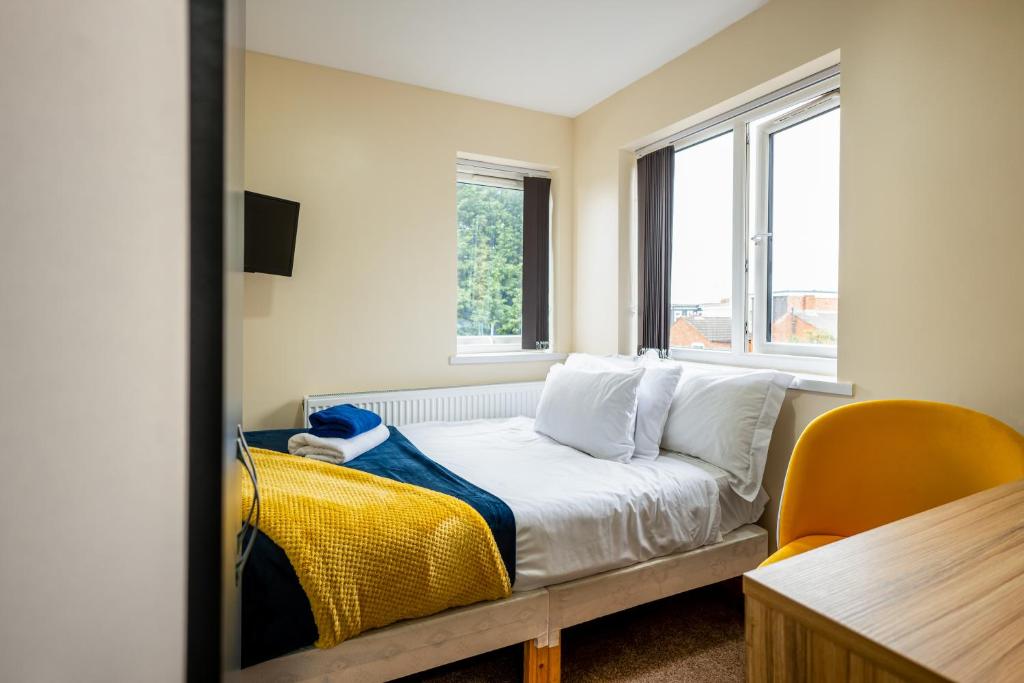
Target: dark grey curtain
{"x": 655, "y": 173}
{"x": 536, "y": 251}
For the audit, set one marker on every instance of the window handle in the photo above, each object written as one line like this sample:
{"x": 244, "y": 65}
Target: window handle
{"x": 760, "y": 237}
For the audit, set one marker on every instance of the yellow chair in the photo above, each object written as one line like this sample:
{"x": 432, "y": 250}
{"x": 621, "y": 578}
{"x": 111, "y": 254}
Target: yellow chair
{"x": 867, "y": 464}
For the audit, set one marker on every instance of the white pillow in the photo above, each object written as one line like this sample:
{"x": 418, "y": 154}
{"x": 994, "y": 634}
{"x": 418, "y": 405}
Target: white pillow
{"x": 594, "y": 412}
{"x": 727, "y": 420}
{"x": 653, "y": 398}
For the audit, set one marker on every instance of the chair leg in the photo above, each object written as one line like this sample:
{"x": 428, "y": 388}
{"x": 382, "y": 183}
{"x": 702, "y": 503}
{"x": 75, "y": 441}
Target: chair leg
{"x": 541, "y": 664}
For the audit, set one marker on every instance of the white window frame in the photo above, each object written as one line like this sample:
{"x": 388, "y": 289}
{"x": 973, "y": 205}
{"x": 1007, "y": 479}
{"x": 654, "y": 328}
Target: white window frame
{"x": 477, "y": 172}
{"x": 761, "y": 237}
{"x": 749, "y": 271}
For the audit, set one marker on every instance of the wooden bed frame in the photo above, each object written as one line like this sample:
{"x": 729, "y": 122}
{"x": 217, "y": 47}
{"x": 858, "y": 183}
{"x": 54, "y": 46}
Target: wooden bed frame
{"x": 534, "y": 618}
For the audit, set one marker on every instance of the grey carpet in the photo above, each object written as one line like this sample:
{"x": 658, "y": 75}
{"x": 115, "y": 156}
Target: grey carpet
{"x": 695, "y": 636}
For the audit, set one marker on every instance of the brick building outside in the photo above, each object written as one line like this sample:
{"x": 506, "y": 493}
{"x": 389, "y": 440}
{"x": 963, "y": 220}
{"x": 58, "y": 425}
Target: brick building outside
{"x": 797, "y": 318}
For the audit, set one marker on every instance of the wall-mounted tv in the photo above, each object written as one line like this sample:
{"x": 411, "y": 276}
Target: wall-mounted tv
{"x": 271, "y": 224}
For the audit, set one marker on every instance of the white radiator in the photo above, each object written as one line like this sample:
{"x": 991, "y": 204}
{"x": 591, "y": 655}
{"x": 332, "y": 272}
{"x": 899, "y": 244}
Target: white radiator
{"x": 448, "y": 404}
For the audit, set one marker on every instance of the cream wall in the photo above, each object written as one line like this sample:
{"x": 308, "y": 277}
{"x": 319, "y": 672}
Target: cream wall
{"x": 932, "y": 165}
{"x": 93, "y": 332}
{"x": 931, "y": 236}
{"x": 371, "y": 304}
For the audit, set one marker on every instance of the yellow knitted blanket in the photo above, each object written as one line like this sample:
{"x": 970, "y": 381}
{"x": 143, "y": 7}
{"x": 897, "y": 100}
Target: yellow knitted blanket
{"x": 370, "y": 551}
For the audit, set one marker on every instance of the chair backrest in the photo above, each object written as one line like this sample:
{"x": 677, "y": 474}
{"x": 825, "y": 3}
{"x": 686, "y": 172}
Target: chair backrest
{"x": 867, "y": 464}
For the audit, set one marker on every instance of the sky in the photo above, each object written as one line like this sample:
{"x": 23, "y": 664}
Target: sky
{"x": 805, "y": 213}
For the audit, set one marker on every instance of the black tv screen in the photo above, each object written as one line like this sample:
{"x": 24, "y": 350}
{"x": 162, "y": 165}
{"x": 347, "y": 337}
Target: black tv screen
{"x": 270, "y": 227}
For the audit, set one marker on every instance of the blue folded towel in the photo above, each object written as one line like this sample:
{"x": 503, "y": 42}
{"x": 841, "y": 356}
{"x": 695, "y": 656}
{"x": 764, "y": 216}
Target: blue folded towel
{"x": 342, "y": 422}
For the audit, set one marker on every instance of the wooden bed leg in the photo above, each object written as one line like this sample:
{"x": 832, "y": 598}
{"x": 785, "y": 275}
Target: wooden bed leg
{"x": 554, "y": 663}
{"x": 541, "y": 664}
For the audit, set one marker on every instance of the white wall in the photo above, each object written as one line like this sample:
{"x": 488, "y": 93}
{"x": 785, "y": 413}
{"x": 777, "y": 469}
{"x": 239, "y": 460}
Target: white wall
{"x": 93, "y": 265}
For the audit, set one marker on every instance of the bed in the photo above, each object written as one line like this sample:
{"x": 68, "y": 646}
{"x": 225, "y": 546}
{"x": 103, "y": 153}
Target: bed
{"x": 564, "y": 500}
{"x": 591, "y": 537}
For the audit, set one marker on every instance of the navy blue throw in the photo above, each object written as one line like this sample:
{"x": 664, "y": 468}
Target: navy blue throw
{"x": 276, "y": 617}
{"x": 342, "y": 422}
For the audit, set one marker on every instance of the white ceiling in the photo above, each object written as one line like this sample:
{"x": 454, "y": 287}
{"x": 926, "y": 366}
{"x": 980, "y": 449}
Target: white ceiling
{"x": 559, "y": 56}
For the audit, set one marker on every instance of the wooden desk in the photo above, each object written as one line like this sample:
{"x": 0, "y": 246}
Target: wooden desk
{"x": 935, "y": 597}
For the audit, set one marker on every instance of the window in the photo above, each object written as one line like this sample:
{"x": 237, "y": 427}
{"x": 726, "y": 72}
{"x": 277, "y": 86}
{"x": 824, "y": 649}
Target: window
{"x": 702, "y": 224}
{"x": 800, "y": 257}
{"x": 756, "y": 232}
{"x": 490, "y": 202}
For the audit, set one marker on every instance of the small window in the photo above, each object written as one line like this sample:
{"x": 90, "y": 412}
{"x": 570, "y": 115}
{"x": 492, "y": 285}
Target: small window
{"x": 490, "y": 201}
{"x": 490, "y": 307}
{"x": 755, "y": 233}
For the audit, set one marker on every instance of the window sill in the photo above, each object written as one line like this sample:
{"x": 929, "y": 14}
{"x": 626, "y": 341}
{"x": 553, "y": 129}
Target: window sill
{"x": 809, "y": 365}
{"x": 802, "y": 381}
{"x": 507, "y": 357}
{"x": 821, "y": 384}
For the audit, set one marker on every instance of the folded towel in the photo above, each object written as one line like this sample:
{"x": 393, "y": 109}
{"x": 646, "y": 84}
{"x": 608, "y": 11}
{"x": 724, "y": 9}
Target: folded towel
{"x": 337, "y": 451}
{"x": 342, "y": 422}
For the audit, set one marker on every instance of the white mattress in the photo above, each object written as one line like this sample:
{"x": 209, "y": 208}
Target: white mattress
{"x": 577, "y": 515}
{"x": 735, "y": 510}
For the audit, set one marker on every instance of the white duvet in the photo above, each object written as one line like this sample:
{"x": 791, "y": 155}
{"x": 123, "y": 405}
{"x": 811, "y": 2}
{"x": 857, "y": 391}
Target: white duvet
{"x": 577, "y": 515}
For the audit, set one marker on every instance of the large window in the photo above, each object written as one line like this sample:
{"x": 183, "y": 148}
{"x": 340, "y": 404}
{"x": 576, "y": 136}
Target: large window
{"x": 489, "y": 200}
{"x": 756, "y": 233}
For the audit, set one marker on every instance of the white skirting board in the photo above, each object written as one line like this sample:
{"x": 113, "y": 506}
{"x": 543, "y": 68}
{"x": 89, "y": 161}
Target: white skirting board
{"x": 419, "y": 644}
